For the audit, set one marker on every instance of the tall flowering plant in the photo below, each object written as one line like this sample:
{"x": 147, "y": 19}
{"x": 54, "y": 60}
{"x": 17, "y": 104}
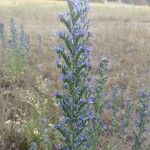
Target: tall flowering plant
{"x": 98, "y": 105}
{"x": 142, "y": 121}
{"x": 2, "y": 35}
{"x": 73, "y": 62}
{"x": 14, "y": 48}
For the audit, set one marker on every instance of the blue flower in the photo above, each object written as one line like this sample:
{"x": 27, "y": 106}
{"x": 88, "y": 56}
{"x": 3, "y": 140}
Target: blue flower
{"x": 89, "y": 65}
{"x": 59, "y": 47}
{"x": 89, "y": 79}
{"x": 91, "y": 100}
{"x": 66, "y": 77}
{"x": 57, "y": 62}
{"x": 55, "y": 94}
{"x": 65, "y": 148}
{"x": 90, "y": 115}
{"x": 63, "y": 119}
{"x": 60, "y": 34}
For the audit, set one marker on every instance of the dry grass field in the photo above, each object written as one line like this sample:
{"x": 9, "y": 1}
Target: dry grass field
{"x": 120, "y": 33}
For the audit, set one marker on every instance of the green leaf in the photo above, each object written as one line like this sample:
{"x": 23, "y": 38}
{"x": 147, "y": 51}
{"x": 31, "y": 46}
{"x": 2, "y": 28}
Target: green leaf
{"x": 66, "y": 58}
{"x": 77, "y": 56}
{"x": 66, "y": 23}
{"x": 67, "y": 41}
{"x": 79, "y": 69}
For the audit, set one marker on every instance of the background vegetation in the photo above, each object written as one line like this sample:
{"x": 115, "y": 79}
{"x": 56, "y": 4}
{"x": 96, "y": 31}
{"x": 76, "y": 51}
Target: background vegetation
{"x": 120, "y": 33}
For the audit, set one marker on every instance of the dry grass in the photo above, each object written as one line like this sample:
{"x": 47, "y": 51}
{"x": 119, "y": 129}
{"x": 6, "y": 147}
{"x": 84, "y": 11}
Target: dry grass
{"x": 120, "y": 32}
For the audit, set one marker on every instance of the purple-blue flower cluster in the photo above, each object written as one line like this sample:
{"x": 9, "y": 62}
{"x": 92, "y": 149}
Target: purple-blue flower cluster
{"x": 24, "y": 40}
{"x": 141, "y": 120}
{"x": 14, "y": 36}
{"x": 127, "y": 115}
{"x": 2, "y": 35}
